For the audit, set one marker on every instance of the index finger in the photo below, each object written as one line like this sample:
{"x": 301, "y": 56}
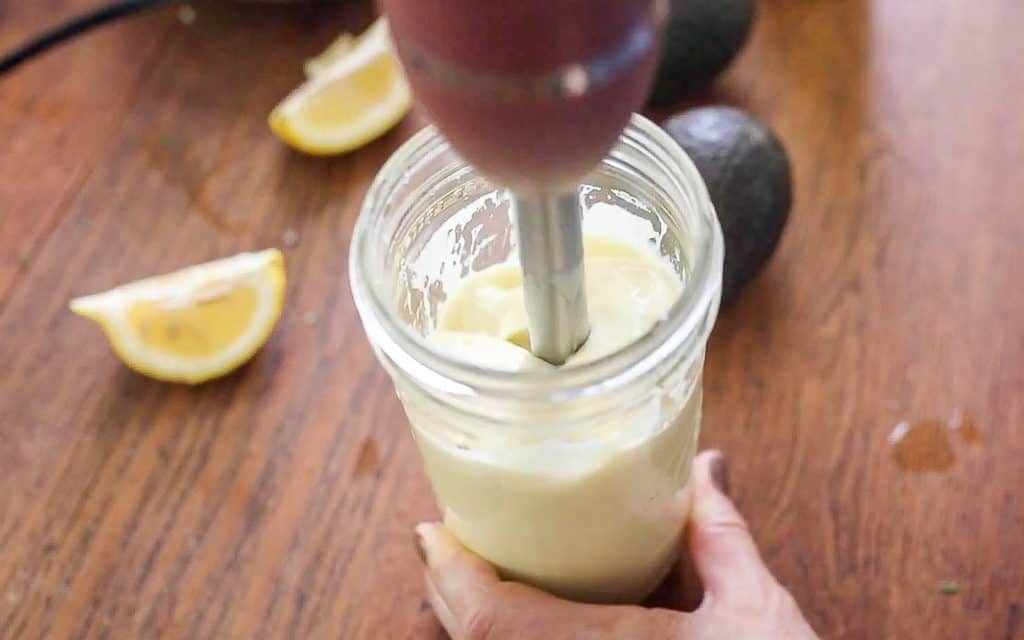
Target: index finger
{"x": 472, "y": 602}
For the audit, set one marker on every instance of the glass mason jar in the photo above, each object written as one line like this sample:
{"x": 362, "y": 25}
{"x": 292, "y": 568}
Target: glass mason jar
{"x": 574, "y": 479}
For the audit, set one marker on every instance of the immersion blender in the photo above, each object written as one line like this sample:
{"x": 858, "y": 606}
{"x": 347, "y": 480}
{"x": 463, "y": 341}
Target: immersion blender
{"x": 534, "y": 94}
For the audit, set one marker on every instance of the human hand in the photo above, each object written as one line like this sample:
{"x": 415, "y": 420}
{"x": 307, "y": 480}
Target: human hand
{"x": 742, "y": 600}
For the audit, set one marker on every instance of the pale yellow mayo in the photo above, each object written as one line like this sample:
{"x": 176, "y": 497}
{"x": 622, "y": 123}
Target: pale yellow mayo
{"x": 596, "y": 516}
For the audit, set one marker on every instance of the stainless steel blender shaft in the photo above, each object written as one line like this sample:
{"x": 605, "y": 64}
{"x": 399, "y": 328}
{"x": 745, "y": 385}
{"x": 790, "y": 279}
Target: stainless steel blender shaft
{"x": 550, "y": 232}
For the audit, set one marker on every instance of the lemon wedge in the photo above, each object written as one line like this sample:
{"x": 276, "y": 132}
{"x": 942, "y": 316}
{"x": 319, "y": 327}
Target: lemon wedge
{"x": 327, "y": 58}
{"x": 194, "y": 324}
{"x": 355, "y": 93}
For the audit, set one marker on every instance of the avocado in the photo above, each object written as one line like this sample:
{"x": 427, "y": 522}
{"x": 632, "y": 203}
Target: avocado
{"x": 747, "y": 173}
{"x": 700, "y": 39}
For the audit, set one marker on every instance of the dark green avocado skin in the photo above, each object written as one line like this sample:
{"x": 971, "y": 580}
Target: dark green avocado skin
{"x": 747, "y": 173}
{"x": 700, "y": 39}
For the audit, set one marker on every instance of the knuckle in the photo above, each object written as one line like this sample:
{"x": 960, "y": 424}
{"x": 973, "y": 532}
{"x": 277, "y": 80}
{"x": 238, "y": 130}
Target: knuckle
{"x": 762, "y": 600}
{"x": 727, "y": 525}
{"x": 481, "y": 624}
{"x": 776, "y": 602}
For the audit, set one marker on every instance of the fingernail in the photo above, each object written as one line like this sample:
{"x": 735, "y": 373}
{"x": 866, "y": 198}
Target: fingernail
{"x": 434, "y": 544}
{"x": 720, "y": 474}
{"x": 418, "y": 543}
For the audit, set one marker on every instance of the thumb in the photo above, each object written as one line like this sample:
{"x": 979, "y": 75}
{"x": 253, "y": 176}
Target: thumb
{"x": 724, "y": 554}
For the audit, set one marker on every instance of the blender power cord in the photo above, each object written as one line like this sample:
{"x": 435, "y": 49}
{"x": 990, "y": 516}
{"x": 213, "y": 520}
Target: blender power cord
{"x": 77, "y": 26}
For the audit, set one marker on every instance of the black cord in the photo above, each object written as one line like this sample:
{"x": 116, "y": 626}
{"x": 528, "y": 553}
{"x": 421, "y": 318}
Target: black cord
{"x": 77, "y": 26}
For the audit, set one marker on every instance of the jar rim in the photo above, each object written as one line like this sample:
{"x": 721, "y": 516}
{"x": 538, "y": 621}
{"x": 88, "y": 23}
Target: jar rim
{"x": 688, "y": 321}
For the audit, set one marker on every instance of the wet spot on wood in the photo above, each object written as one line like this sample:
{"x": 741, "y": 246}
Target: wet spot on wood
{"x": 928, "y": 445}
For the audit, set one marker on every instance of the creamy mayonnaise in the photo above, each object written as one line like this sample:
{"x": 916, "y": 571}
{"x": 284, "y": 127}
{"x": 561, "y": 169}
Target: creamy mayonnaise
{"x": 593, "y": 514}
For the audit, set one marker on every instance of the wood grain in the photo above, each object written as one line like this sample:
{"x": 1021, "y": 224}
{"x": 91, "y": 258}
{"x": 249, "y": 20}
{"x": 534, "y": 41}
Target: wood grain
{"x": 278, "y": 502}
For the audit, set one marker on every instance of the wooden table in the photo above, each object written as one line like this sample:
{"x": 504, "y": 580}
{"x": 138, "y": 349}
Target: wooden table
{"x": 278, "y": 502}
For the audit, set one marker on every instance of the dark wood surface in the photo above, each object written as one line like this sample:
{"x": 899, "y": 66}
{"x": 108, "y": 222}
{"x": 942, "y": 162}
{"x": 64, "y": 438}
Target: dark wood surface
{"x": 278, "y": 502}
